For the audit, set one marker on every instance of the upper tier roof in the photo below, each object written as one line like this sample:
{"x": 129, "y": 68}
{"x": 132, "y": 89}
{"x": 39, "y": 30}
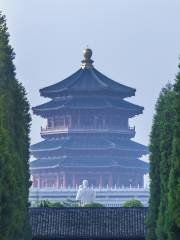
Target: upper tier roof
{"x": 87, "y": 80}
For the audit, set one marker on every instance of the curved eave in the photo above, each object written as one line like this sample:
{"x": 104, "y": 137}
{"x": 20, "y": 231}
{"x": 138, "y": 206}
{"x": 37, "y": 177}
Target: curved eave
{"x": 145, "y": 170}
{"x": 47, "y": 145}
{"x": 45, "y": 113}
{"x": 86, "y": 80}
{"x": 87, "y": 144}
{"x": 89, "y": 104}
{"x": 37, "y": 110}
{"x": 56, "y": 163}
{"x": 104, "y": 92}
{"x": 108, "y": 147}
{"x": 141, "y": 152}
{"x": 45, "y": 167}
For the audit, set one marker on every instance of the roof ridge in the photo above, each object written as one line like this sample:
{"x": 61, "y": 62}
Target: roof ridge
{"x": 109, "y": 79}
{"x": 81, "y": 81}
{"x": 77, "y": 78}
{"x": 97, "y": 78}
{"x": 62, "y": 81}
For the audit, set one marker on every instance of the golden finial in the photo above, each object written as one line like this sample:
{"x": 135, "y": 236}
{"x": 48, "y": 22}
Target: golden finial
{"x": 87, "y": 61}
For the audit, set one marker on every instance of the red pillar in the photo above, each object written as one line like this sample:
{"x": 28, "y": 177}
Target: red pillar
{"x": 57, "y": 180}
{"x": 60, "y": 181}
{"x": 110, "y": 180}
{"x": 64, "y": 180}
{"x": 100, "y": 181}
{"x": 73, "y": 181}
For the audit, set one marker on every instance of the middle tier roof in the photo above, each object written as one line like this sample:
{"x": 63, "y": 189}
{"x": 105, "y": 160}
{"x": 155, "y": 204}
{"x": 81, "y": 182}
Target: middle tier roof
{"x": 88, "y": 103}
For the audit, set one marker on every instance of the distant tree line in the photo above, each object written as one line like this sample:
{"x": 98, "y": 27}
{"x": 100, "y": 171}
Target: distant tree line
{"x": 164, "y": 205}
{"x": 14, "y": 146}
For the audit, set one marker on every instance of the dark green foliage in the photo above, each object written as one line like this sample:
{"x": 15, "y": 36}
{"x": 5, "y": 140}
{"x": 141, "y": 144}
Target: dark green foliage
{"x": 46, "y": 203}
{"x": 174, "y": 180}
{"x": 93, "y": 205}
{"x": 160, "y": 162}
{"x": 133, "y": 203}
{"x": 67, "y": 203}
{"x": 14, "y": 146}
{"x": 168, "y": 119}
{"x": 71, "y": 203}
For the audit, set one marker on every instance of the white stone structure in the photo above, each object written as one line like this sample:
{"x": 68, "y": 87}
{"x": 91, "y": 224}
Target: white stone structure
{"x": 85, "y": 194}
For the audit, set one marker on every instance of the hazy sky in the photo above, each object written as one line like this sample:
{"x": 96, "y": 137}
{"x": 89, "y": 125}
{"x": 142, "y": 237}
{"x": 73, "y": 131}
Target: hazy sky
{"x": 135, "y": 42}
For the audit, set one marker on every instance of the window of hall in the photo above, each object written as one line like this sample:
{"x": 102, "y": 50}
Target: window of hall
{"x": 59, "y": 121}
{"x": 86, "y": 121}
{"x": 99, "y": 122}
{"x": 68, "y": 121}
{"x": 50, "y": 122}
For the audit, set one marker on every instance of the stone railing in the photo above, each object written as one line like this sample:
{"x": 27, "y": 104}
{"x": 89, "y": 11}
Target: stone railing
{"x": 98, "y": 189}
{"x": 49, "y": 131}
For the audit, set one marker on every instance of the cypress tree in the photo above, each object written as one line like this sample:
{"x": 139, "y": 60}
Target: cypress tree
{"x": 160, "y": 151}
{"x": 14, "y": 146}
{"x": 154, "y": 173}
{"x": 168, "y": 118}
{"x": 174, "y": 179}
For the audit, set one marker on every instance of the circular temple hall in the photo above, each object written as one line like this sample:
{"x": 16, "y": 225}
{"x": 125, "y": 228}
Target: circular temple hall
{"x": 87, "y": 135}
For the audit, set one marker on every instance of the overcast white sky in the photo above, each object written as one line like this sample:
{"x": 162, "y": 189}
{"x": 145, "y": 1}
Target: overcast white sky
{"x": 135, "y": 42}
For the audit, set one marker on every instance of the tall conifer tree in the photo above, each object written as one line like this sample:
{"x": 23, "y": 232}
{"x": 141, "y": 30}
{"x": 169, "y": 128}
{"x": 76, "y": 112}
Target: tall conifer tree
{"x": 166, "y": 136}
{"x": 154, "y": 173}
{"x": 160, "y": 154}
{"x": 14, "y": 146}
{"x": 173, "y": 225}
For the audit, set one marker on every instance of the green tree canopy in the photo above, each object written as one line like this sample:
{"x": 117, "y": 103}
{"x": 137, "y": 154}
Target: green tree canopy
{"x": 14, "y": 146}
{"x": 46, "y": 203}
{"x": 133, "y": 203}
{"x": 173, "y": 218}
{"x": 93, "y": 205}
{"x": 160, "y": 162}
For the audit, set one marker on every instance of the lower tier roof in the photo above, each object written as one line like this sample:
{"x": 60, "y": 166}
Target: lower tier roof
{"x": 89, "y": 162}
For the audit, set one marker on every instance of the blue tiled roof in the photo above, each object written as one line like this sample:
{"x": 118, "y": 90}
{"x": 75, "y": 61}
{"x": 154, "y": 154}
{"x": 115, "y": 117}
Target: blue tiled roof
{"x": 87, "y": 80}
{"x": 90, "y": 162}
{"x": 89, "y": 143}
{"x": 88, "y": 103}
{"x": 88, "y": 223}
{"x": 46, "y": 163}
{"x": 129, "y": 145}
{"x": 48, "y": 144}
{"x": 113, "y": 161}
